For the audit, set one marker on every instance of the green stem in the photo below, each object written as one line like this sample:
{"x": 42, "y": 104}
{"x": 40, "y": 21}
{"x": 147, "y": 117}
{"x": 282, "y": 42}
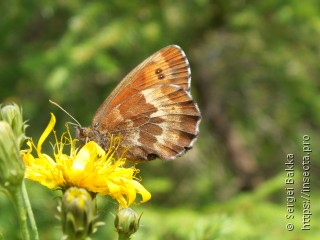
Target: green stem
{"x": 122, "y": 236}
{"x": 27, "y": 204}
{"x": 18, "y": 201}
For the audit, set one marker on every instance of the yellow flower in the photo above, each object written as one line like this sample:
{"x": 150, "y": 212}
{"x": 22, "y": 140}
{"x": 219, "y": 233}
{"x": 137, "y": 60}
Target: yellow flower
{"x": 89, "y": 167}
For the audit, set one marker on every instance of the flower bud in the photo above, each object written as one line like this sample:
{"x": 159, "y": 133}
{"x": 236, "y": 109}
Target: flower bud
{"x": 11, "y": 166}
{"x": 12, "y": 114}
{"x": 77, "y": 213}
{"x": 126, "y": 222}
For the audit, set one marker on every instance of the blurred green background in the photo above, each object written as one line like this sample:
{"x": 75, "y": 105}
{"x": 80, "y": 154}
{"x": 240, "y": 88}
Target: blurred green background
{"x": 255, "y": 74}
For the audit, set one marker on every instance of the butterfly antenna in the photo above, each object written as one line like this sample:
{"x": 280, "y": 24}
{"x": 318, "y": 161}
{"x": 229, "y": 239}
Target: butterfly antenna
{"x": 76, "y": 122}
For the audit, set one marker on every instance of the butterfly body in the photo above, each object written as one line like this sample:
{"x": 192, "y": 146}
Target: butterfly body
{"x": 151, "y": 109}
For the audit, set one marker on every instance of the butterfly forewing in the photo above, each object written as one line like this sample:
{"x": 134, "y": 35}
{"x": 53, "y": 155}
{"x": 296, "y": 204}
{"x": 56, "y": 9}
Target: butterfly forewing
{"x": 151, "y": 109}
{"x": 167, "y": 66}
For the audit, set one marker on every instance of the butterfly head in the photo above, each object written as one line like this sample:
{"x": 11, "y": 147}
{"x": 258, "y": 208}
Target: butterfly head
{"x": 81, "y": 133}
{"x": 86, "y": 134}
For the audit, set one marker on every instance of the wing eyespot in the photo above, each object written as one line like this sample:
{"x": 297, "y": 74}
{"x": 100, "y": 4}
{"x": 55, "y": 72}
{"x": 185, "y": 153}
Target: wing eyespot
{"x": 158, "y": 72}
{"x": 161, "y": 76}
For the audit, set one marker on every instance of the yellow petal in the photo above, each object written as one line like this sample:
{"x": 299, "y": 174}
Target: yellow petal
{"x": 142, "y": 191}
{"x": 88, "y": 153}
{"x": 46, "y": 132}
{"x": 42, "y": 170}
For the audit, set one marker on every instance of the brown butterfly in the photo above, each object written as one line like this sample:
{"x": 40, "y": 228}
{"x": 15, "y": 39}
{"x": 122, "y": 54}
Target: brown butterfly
{"x": 151, "y": 108}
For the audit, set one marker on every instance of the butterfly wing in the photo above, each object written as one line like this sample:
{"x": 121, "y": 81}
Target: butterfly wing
{"x": 152, "y": 108}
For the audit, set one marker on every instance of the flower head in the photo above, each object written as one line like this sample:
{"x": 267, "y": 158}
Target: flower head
{"x": 12, "y": 114}
{"x": 11, "y": 166}
{"x": 126, "y": 222}
{"x": 77, "y": 214}
{"x": 89, "y": 167}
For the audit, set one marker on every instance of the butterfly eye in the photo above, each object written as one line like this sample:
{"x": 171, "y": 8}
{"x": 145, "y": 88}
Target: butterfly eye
{"x": 81, "y": 132}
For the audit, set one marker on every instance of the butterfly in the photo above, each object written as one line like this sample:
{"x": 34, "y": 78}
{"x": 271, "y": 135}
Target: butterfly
{"x": 151, "y": 109}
